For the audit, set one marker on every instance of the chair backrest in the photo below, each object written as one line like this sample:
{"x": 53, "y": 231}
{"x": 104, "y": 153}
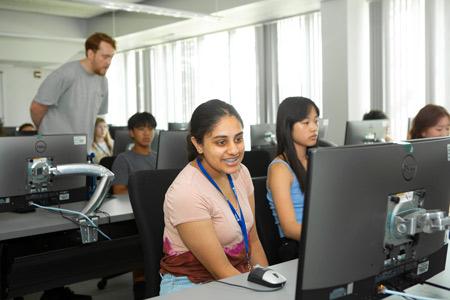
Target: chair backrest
{"x": 257, "y": 162}
{"x": 107, "y": 162}
{"x": 172, "y": 150}
{"x": 122, "y": 141}
{"x": 147, "y": 190}
{"x": 265, "y": 223}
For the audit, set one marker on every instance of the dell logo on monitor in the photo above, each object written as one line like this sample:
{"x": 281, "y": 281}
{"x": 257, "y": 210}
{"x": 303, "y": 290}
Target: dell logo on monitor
{"x": 409, "y": 167}
{"x": 40, "y": 146}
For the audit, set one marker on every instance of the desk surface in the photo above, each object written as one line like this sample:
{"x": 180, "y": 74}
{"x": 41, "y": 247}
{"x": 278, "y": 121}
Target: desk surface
{"x": 289, "y": 269}
{"x": 15, "y": 225}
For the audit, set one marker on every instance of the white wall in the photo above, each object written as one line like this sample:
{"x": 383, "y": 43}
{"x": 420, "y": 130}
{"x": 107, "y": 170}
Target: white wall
{"x": 20, "y": 88}
{"x": 37, "y": 39}
{"x": 345, "y": 72}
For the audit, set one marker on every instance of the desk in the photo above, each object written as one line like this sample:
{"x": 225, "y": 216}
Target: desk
{"x": 219, "y": 291}
{"x": 41, "y": 250}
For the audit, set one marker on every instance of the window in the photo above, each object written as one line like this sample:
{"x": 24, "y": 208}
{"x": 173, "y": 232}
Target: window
{"x": 405, "y": 72}
{"x": 300, "y": 57}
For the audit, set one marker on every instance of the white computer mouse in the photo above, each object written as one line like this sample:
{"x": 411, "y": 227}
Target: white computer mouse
{"x": 266, "y": 277}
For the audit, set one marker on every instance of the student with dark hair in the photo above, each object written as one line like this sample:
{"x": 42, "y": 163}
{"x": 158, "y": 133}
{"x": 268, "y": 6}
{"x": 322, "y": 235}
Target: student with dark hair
{"x": 210, "y": 230}
{"x": 2, "y": 133}
{"x": 141, "y": 127}
{"x": 375, "y": 115}
{"x": 26, "y": 127}
{"x": 297, "y": 130}
{"x": 431, "y": 121}
{"x": 378, "y": 115}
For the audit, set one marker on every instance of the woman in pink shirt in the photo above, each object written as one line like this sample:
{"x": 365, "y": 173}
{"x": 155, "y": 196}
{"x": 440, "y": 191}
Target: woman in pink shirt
{"x": 209, "y": 209}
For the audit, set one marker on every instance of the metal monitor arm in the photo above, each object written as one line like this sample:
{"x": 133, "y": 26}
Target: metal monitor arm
{"x": 421, "y": 220}
{"x": 90, "y": 170}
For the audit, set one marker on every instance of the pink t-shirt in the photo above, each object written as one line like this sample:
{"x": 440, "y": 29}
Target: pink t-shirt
{"x": 191, "y": 197}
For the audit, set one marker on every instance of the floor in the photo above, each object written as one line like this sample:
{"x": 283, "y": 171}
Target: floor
{"x": 120, "y": 287}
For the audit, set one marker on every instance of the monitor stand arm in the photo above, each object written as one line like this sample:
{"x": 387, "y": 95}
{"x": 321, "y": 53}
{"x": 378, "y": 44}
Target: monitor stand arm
{"x": 88, "y": 232}
{"x": 421, "y": 220}
{"x": 90, "y": 170}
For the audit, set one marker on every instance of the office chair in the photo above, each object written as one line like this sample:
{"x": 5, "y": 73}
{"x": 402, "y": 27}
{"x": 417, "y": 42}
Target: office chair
{"x": 265, "y": 223}
{"x": 257, "y": 162}
{"x": 147, "y": 190}
{"x": 107, "y": 162}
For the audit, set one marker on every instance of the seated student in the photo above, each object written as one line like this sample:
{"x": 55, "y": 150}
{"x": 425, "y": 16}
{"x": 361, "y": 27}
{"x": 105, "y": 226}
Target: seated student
{"x": 297, "y": 130}
{"x": 102, "y": 144}
{"x": 141, "y": 128}
{"x": 26, "y": 127}
{"x": 210, "y": 230}
{"x": 2, "y": 132}
{"x": 431, "y": 121}
{"x": 378, "y": 115}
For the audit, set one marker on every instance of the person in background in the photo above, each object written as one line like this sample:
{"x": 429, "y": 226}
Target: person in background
{"x": 431, "y": 121}
{"x": 297, "y": 130}
{"x": 103, "y": 144}
{"x": 210, "y": 231}
{"x": 378, "y": 115}
{"x": 71, "y": 97}
{"x": 141, "y": 127}
{"x": 26, "y": 127}
{"x": 2, "y": 133}
{"x": 375, "y": 115}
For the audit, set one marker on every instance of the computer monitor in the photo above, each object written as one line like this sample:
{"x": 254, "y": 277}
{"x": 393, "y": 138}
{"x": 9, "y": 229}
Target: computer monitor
{"x": 172, "y": 150}
{"x": 366, "y": 132}
{"x": 178, "y": 126}
{"x": 26, "y": 133}
{"x": 8, "y": 131}
{"x": 263, "y": 135}
{"x": 362, "y": 223}
{"x": 19, "y": 182}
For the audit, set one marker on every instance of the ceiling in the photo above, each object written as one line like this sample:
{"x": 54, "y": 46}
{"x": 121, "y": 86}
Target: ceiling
{"x": 50, "y": 24}
{"x": 56, "y": 8}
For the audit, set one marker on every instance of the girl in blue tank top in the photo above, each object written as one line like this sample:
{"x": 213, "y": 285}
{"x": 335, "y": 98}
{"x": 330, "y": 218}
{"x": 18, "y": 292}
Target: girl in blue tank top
{"x": 297, "y": 130}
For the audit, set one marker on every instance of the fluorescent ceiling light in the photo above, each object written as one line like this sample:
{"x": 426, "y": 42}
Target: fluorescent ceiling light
{"x": 148, "y": 9}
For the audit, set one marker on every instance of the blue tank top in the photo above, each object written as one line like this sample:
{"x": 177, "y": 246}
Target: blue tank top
{"x": 297, "y": 196}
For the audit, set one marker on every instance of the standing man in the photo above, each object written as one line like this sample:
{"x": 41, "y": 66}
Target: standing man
{"x": 69, "y": 100}
{"x": 71, "y": 97}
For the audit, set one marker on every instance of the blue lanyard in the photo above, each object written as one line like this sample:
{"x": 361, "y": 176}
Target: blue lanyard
{"x": 239, "y": 218}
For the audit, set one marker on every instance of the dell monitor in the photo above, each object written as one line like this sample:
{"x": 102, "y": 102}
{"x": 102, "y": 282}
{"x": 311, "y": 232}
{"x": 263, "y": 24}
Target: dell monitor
{"x": 373, "y": 215}
{"x": 263, "y": 136}
{"x": 21, "y": 179}
{"x": 178, "y": 126}
{"x": 366, "y": 132}
{"x": 172, "y": 150}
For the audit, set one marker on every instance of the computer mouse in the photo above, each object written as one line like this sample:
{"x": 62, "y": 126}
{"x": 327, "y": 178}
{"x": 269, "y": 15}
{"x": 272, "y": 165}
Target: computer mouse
{"x": 266, "y": 277}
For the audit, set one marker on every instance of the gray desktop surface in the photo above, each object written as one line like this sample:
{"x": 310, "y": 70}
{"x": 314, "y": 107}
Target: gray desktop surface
{"x": 16, "y": 225}
{"x": 219, "y": 291}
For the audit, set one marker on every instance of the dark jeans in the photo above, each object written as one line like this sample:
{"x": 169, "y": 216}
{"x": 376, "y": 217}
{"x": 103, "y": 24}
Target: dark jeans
{"x": 288, "y": 249}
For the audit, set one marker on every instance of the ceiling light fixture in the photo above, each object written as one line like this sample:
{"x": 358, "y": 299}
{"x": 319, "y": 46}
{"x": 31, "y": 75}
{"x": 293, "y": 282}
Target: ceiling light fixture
{"x": 148, "y": 9}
